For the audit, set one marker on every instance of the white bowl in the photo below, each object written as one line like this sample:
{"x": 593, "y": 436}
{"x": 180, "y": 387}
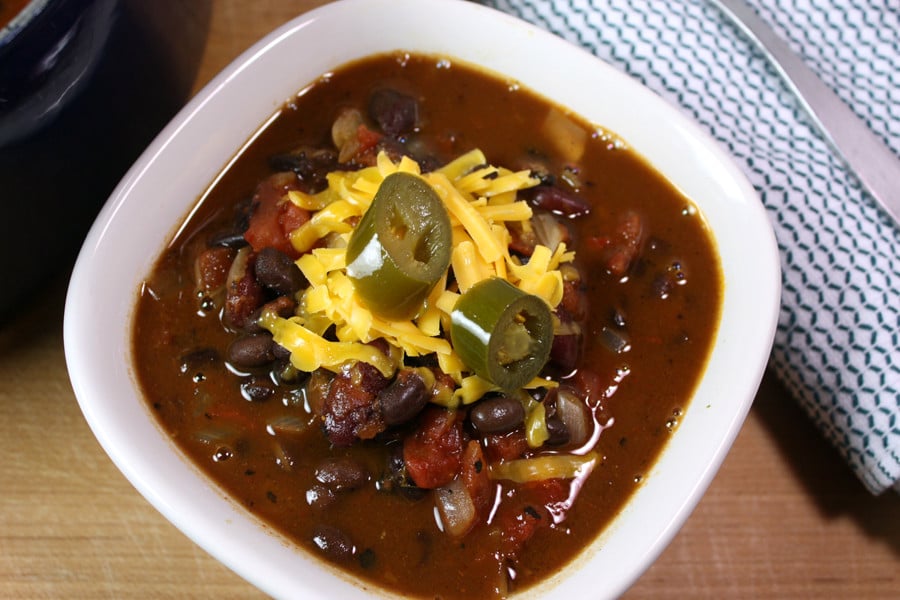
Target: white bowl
{"x": 146, "y": 209}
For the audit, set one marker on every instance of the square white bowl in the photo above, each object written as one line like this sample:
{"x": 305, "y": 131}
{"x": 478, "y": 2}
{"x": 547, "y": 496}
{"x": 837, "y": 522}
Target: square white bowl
{"x": 149, "y": 205}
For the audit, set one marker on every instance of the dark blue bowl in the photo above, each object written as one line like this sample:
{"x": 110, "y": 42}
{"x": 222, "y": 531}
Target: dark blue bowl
{"x": 85, "y": 85}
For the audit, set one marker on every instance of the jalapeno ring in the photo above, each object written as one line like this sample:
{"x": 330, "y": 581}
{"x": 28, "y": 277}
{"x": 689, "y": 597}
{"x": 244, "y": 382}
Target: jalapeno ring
{"x": 401, "y": 247}
{"x": 502, "y": 333}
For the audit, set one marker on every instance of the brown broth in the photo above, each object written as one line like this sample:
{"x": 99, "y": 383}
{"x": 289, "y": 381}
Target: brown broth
{"x": 647, "y": 388}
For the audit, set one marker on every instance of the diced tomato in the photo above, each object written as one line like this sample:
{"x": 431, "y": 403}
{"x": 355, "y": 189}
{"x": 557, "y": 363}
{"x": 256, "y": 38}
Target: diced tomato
{"x": 507, "y": 446}
{"x": 433, "y": 452}
{"x": 518, "y": 521}
{"x": 367, "y": 138}
{"x": 274, "y": 217}
{"x": 547, "y": 491}
{"x": 474, "y": 473}
{"x": 522, "y": 515}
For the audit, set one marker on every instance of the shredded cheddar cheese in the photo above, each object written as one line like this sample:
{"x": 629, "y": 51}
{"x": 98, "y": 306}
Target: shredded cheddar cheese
{"x": 480, "y": 199}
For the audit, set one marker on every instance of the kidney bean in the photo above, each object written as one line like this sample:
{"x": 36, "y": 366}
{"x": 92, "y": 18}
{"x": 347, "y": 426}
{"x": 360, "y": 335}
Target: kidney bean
{"x": 499, "y": 414}
{"x": 404, "y": 398}
{"x": 342, "y": 474}
{"x": 566, "y": 352}
{"x": 334, "y": 543}
{"x": 559, "y": 202}
{"x": 251, "y": 351}
{"x": 394, "y": 112}
{"x": 276, "y": 271}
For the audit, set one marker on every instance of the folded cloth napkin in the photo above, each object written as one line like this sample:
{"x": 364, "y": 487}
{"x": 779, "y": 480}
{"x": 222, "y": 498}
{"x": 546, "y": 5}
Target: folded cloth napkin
{"x": 837, "y": 347}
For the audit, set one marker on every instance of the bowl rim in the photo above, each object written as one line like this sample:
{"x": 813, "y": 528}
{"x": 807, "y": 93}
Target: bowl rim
{"x": 214, "y": 521}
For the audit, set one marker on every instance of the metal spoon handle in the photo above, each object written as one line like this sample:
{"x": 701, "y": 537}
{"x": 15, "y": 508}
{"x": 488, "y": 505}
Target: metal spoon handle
{"x": 876, "y": 166}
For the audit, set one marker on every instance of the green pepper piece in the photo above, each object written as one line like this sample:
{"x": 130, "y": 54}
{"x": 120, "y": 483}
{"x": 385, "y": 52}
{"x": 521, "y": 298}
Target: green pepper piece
{"x": 502, "y": 333}
{"x": 401, "y": 247}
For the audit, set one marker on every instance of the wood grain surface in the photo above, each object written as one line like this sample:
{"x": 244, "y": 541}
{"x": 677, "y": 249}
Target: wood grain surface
{"x": 784, "y": 518}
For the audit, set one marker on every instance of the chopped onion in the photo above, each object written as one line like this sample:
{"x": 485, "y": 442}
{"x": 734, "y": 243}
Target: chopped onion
{"x": 548, "y": 230}
{"x": 455, "y": 508}
{"x": 216, "y": 434}
{"x": 290, "y": 424}
{"x": 238, "y": 267}
{"x": 573, "y": 412}
{"x": 615, "y": 341}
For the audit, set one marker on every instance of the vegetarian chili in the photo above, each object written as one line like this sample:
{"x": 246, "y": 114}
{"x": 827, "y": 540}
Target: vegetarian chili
{"x": 430, "y": 326}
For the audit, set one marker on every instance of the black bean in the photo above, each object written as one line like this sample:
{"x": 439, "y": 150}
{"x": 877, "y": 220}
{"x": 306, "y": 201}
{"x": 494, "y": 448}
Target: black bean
{"x": 229, "y": 239}
{"x": 280, "y": 352}
{"x": 404, "y": 398}
{"x": 394, "y": 112}
{"x": 559, "y": 433}
{"x": 500, "y": 414}
{"x": 334, "y": 543}
{"x": 257, "y": 389}
{"x": 276, "y": 271}
{"x": 310, "y": 165}
{"x": 250, "y": 351}
{"x": 342, "y": 474}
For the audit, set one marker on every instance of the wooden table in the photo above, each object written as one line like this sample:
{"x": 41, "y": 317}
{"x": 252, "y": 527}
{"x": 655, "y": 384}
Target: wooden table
{"x": 784, "y": 517}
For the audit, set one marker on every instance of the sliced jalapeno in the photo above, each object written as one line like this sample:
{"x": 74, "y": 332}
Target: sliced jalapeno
{"x": 401, "y": 246}
{"x": 502, "y": 333}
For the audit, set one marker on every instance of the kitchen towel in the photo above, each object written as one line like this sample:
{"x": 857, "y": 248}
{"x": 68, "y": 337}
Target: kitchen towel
{"x": 837, "y": 346}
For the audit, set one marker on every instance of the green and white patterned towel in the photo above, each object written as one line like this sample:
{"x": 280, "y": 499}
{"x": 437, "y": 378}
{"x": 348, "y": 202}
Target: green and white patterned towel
{"x": 837, "y": 348}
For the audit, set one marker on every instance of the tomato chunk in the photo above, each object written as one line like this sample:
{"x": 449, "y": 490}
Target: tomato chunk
{"x": 433, "y": 452}
{"x": 475, "y": 475}
{"x": 274, "y": 217}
